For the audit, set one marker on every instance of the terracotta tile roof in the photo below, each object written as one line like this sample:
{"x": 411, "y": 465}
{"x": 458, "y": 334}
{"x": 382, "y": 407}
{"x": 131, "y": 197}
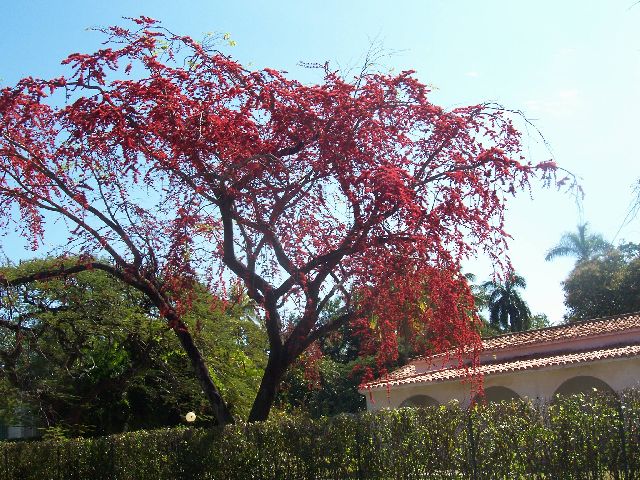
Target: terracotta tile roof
{"x": 414, "y": 372}
{"x": 586, "y": 328}
{"x": 407, "y": 375}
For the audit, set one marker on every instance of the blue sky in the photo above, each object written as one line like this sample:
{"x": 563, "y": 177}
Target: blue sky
{"x": 571, "y": 66}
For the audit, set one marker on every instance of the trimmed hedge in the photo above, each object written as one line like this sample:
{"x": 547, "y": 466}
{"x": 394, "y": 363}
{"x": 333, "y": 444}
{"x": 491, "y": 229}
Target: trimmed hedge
{"x": 595, "y": 437}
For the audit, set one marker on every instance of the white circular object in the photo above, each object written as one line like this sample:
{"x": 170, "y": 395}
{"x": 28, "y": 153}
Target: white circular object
{"x": 190, "y": 417}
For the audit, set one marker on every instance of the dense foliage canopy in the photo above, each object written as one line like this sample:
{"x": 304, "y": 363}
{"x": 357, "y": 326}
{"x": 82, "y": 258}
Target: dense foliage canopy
{"x": 87, "y": 355}
{"x": 607, "y": 285}
{"x": 508, "y": 312}
{"x": 177, "y": 162}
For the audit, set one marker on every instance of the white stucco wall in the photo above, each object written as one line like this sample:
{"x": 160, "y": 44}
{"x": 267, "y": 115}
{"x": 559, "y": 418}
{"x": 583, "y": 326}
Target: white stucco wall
{"x": 542, "y": 383}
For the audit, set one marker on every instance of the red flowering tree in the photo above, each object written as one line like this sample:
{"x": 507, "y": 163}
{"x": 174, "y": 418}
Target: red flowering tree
{"x": 174, "y": 162}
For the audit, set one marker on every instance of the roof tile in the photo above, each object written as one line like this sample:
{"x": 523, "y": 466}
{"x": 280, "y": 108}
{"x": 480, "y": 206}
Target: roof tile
{"x": 511, "y": 365}
{"x": 409, "y": 373}
{"x": 563, "y": 332}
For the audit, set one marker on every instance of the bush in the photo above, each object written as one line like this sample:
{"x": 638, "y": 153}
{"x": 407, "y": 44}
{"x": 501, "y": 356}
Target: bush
{"x": 580, "y": 437}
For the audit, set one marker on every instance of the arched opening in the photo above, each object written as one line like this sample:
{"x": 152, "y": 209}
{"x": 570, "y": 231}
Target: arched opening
{"x": 499, "y": 394}
{"x": 496, "y": 394}
{"x": 420, "y": 401}
{"x": 584, "y": 384}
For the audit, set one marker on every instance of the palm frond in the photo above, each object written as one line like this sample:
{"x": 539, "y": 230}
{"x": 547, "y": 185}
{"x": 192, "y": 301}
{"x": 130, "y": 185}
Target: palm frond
{"x": 581, "y": 245}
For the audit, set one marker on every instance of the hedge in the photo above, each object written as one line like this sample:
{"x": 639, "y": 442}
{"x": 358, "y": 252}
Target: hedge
{"x": 580, "y": 437}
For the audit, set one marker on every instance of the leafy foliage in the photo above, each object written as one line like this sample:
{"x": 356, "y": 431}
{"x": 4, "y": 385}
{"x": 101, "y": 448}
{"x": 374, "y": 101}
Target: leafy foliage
{"x": 608, "y": 285}
{"x": 482, "y": 295}
{"x": 508, "y": 312}
{"x": 173, "y": 160}
{"x": 540, "y": 320}
{"x": 595, "y": 437}
{"x": 88, "y": 355}
{"x": 581, "y": 245}
{"x": 330, "y": 390}
{"x": 327, "y": 385}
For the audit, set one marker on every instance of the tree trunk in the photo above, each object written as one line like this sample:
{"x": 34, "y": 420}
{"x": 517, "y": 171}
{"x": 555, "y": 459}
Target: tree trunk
{"x": 267, "y": 391}
{"x": 220, "y": 411}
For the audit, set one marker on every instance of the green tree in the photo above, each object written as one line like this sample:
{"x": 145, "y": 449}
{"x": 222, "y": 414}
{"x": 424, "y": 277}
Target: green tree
{"x": 331, "y": 389}
{"x": 325, "y": 382}
{"x": 481, "y": 303}
{"x": 508, "y": 312}
{"x": 581, "y": 245}
{"x": 607, "y": 285}
{"x": 88, "y": 354}
{"x": 480, "y": 296}
{"x": 540, "y": 320}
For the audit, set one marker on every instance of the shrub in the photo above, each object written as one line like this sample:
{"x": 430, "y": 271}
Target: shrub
{"x": 580, "y": 437}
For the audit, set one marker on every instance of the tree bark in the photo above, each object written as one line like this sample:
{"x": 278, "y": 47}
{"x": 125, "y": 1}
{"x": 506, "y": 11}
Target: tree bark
{"x": 220, "y": 411}
{"x": 267, "y": 392}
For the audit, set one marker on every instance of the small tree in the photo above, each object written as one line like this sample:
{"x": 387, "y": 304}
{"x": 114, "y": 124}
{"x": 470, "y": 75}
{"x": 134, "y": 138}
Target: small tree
{"x": 176, "y": 162}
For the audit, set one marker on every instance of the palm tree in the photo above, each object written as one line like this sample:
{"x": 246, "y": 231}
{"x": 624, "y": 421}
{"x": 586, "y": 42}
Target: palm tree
{"x": 480, "y": 298}
{"x": 508, "y": 311}
{"x": 581, "y": 245}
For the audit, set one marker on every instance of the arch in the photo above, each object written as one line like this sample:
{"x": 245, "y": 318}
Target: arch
{"x": 585, "y": 384}
{"x": 420, "y": 401}
{"x": 499, "y": 394}
{"x": 496, "y": 394}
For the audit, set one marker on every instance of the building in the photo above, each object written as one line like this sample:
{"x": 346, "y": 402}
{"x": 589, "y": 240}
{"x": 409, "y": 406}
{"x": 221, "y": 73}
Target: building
{"x": 601, "y": 354}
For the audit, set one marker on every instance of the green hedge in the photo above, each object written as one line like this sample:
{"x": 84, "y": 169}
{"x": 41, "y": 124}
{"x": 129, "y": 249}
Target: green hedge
{"x": 576, "y": 438}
